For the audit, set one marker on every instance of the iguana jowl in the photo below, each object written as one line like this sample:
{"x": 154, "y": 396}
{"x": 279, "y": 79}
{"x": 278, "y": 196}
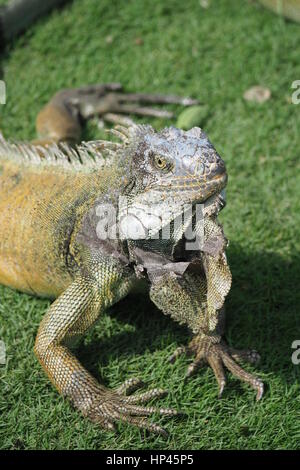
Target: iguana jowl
{"x": 50, "y": 246}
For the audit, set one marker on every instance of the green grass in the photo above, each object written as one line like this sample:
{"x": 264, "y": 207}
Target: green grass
{"x": 214, "y": 54}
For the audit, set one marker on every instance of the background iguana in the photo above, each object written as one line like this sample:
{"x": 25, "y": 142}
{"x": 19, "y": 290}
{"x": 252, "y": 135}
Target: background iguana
{"x": 53, "y": 201}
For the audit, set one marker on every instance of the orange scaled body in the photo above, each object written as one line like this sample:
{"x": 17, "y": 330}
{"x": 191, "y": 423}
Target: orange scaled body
{"x": 39, "y": 209}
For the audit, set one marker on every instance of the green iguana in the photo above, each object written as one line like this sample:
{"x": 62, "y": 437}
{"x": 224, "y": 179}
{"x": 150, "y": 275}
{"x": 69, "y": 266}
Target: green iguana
{"x": 84, "y": 224}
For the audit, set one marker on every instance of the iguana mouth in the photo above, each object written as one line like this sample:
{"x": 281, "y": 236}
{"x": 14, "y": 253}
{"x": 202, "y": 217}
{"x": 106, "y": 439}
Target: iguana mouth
{"x": 218, "y": 199}
{"x": 197, "y": 191}
{"x": 191, "y": 183}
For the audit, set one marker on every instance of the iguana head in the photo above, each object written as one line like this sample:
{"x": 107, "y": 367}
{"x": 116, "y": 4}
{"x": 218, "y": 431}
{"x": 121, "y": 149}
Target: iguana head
{"x": 175, "y": 163}
{"x": 166, "y": 170}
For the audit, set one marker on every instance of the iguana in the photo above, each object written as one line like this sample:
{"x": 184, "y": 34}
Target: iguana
{"x": 83, "y": 224}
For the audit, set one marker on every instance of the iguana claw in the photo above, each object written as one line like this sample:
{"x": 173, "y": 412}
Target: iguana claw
{"x": 112, "y": 406}
{"x": 217, "y": 355}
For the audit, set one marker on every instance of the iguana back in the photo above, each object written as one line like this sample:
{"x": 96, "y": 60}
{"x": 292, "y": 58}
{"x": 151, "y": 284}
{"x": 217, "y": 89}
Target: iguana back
{"x": 41, "y": 202}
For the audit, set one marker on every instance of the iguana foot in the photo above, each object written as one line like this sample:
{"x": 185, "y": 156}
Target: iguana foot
{"x": 114, "y": 405}
{"x": 62, "y": 118}
{"x": 218, "y": 354}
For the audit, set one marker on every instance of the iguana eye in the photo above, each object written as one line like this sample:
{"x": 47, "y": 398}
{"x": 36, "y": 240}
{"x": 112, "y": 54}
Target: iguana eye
{"x": 160, "y": 162}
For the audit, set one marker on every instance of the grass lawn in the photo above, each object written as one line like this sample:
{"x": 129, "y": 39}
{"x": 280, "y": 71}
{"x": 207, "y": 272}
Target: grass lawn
{"x": 214, "y": 54}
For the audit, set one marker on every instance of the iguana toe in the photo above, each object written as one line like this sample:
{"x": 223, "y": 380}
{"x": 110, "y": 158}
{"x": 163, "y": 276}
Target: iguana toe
{"x": 218, "y": 355}
{"x": 114, "y": 406}
{"x": 248, "y": 355}
{"x": 129, "y": 386}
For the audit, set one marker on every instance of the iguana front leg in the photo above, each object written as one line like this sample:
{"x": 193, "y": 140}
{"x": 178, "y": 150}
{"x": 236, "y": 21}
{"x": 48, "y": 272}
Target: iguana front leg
{"x": 69, "y": 316}
{"x": 182, "y": 299}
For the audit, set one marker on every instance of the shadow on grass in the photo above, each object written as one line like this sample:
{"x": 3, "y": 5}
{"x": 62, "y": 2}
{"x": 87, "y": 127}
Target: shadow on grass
{"x": 262, "y": 313}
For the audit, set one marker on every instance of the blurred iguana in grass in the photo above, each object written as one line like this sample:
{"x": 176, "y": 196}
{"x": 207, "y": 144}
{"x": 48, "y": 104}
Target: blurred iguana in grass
{"x": 84, "y": 224}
